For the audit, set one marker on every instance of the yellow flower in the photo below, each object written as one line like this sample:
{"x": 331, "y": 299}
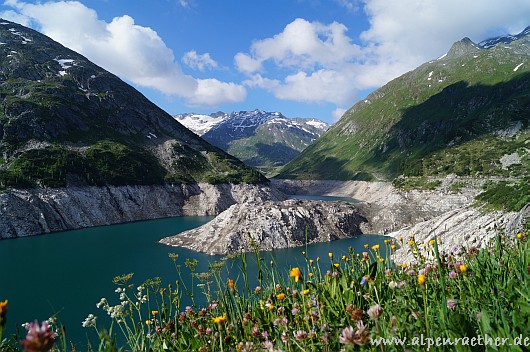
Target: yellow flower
{"x": 386, "y": 241}
{"x": 375, "y": 247}
{"x": 305, "y": 292}
{"x": 3, "y": 312}
{"x": 519, "y": 235}
{"x": 411, "y": 243}
{"x": 421, "y": 279}
{"x": 311, "y": 261}
{"x": 303, "y": 252}
{"x": 336, "y": 265}
{"x": 431, "y": 242}
{"x": 344, "y": 257}
{"x": 220, "y": 319}
{"x": 310, "y": 274}
{"x": 366, "y": 245}
{"x": 231, "y": 284}
{"x": 404, "y": 265}
{"x": 148, "y": 322}
{"x": 330, "y": 255}
{"x": 271, "y": 307}
{"x": 296, "y": 273}
{"x": 463, "y": 268}
{"x": 393, "y": 246}
{"x": 280, "y": 296}
{"x": 154, "y": 313}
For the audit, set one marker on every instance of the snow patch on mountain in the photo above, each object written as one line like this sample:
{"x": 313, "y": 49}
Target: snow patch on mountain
{"x": 200, "y": 124}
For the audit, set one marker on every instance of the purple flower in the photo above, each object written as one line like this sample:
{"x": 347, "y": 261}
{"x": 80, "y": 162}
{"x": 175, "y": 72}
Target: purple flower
{"x": 453, "y": 274}
{"x": 363, "y": 281}
{"x": 39, "y": 338}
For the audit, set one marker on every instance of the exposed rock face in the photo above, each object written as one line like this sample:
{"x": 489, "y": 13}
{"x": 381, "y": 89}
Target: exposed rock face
{"x": 272, "y": 225}
{"x": 386, "y": 208}
{"x": 42, "y": 210}
{"x": 460, "y": 229}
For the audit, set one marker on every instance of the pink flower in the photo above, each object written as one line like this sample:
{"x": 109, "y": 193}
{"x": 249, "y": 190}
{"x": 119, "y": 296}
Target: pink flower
{"x": 375, "y": 311}
{"x": 39, "y": 338}
{"x": 453, "y": 275}
{"x": 451, "y": 303}
{"x": 346, "y": 338}
{"x": 300, "y": 335}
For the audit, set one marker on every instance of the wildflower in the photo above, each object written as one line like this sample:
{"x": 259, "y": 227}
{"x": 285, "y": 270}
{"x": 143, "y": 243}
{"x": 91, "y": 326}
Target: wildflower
{"x": 451, "y": 303}
{"x": 404, "y": 265}
{"x": 421, "y": 279}
{"x": 221, "y": 319}
{"x": 330, "y": 255}
{"x": 148, "y": 322}
{"x": 294, "y": 311}
{"x": 346, "y": 337}
{"x": 296, "y": 273}
{"x": 365, "y": 280}
{"x": 375, "y": 311}
{"x": 154, "y": 313}
{"x": 3, "y": 313}
{"x": 453, "y": 274}
{"x": 271, "y": 307}
{"x": 310, "y": 274}
{"x": 257, "y": 289}
{"x": 336, "y": 265}
{"x": 463, "y": 268}
{"x": 311, "y": 261}
{"x": 89, "y": 321}
{"x": 361, "y": 335}
{"x": 519, "y": 235}
{"x": 231, "y": 284}
{"x": 366, "y": 245}
{"x": 39, "y": 338}
{"x": 431, "y": 242}
{"x": 393, "y": 247}
{"x": 386, "y": 241}
{"x": 375, "y": 247}
{"x": 305, "y": 292}
{"x": 281, "y": 296}
{"x": 300, "y": 335}
{"x": 392, "y": 284}
{"x": 411, "y": 242}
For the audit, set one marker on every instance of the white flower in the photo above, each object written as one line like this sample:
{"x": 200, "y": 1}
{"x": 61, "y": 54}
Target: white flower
{"x": 89, "y": 321}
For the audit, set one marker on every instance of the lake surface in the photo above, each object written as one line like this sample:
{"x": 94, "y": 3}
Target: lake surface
{"x": 327, "y": 198}
{"x": 67, "y": 273}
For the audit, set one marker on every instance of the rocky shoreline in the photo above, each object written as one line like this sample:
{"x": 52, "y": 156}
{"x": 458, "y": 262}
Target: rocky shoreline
{"x": 43, "y": 210}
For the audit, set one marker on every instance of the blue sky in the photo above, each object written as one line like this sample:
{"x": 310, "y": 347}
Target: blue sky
{"x": 304, "y": 58}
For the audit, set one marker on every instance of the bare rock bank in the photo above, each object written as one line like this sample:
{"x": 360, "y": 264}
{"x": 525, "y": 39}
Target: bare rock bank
{"x": 460, "y": 230}
{"x": 271, "y": 225}
{"x": 43, "y": 210}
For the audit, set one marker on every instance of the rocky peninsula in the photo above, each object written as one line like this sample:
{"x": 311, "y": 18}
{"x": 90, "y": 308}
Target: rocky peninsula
{"x": 272, "y": 224}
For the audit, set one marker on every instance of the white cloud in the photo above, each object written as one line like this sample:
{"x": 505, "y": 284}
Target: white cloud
{"x": 131, "y": 51}
{"x": 315, "y": 62}
{"x": 211, "y": 92}
{"x": 198, "y": 61}
{"x": 337, "y": 114}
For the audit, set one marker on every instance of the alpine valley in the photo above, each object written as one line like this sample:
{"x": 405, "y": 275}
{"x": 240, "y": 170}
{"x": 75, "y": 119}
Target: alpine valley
{"x": 442, "y": 149}
{"x": 266, "y": 140}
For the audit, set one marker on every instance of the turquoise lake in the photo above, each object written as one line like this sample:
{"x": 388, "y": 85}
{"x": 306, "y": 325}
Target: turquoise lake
{"x": 67, "y": 273}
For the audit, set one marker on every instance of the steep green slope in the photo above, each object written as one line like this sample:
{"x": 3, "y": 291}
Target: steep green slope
{"x": 459, "y": 114}
{"x": 65, "y": 121}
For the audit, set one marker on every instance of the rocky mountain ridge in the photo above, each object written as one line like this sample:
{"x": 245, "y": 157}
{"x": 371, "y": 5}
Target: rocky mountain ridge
{"x": 262, "y": 139}
{"x": 66, "y": 121}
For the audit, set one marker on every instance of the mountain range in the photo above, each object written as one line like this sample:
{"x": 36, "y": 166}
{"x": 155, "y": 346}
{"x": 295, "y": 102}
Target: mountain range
{"x": 66, "y": 121}
{"x": 262, "y": 139}
{"x": 465, "y": 113}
